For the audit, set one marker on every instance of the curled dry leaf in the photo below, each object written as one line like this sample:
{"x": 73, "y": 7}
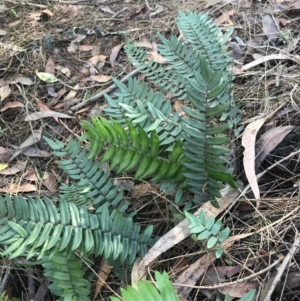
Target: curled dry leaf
{"x": 248, "y": 142}
{"x": 4, "y": 92}
{"x": 114, "y": 54}
{"x": 100, "y": 78}
{"x": 11, "y": 105}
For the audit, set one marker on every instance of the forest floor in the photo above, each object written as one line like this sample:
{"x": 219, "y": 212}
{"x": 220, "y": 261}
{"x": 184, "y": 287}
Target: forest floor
{"x": 81, "y": 43}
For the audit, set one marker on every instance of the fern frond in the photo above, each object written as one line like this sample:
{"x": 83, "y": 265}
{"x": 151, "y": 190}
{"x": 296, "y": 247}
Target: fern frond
{"x": 91, "y": 185}
{"x": 204, "y": 142}
{"x": 179, "y": 55}
{"x": 164, "y": 78}
{"x": 146, "y": 291}
{"x": 142, "y": 106}
{"x": 65, "y": 272}
{"x": 133, "y": 149}
{"x": 36, "y": 226}
{"x": 208, "y": 229}
{"x": 208, "y": 41}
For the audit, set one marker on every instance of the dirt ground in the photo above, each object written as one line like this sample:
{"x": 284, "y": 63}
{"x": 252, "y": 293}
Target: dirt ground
{"x": 80, "y": 42}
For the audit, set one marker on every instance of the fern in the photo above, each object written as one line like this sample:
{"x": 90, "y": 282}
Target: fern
{"x": 132, "y": 149}
{"x": 142, "y": 106}
{"x": 92, "y": 185}
{"x": 65, "y": 272}
{"x": 208, "y": 230}
{"x": 147, "y": 291}
{"x": 36, "y": 227}
{"x": 163, "y": 290}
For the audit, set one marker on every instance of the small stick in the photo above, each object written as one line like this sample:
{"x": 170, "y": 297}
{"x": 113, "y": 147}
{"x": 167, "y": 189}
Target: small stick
{"x": 282, "y": 267}
{"x": 100, "y": 95}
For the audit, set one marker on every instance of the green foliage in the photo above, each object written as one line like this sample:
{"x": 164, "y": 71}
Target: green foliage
{"x": 133, "y": 149}
{"x": 142, "y": 106}
{"x": 163, "y": 290}
{"x": 36, "y": 227}
{"x": 92, "y": 185}
{"x": 148, "y": 138}
{"x": 66, "y": 274}
{"x": 148, "y": 292}
{"x": 209, "y": 230}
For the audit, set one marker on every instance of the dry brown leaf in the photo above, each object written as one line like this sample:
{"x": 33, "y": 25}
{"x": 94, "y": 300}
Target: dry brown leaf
{"x": 114, "y": 54}
{"x": 224, "y": 17}
{"x": 269, "y": 141}
{"x": 248, "y": 142}
{"x": 100, "y": 78}
{"x": 26, "y": 81}
{"x": 158, "y": 9}
{"x": 177, "y": 107}
{"x": 106, "y": 9}
{"x": 11, "y": 105}
{"x": 190, "y": 276}
{"x": 50, "y": 66}
{"x": 98, "y": 58}
{"x": 49, "y": 181}
{"x": 32, "y": 139}
{"x": 45, "y": 114}
{"x": 3, "y": 32}
{"x": 20, "y": 166}
{"x": 41, "y": 105}
{"x": 143, "y": 189}
{"x": 72, "y": 47}
{"x": 35, "y": 152}
{"x": 270, "y": 28}
{"x": 64, "y": 70}
{"x": 4, "y": 92}
{"x": 16, "y": 189}
{"x": 103, "y": 273}
{"x": 156, "y": 57}
{"x": 6, "y": 154}
{"x": 85, "y": 47}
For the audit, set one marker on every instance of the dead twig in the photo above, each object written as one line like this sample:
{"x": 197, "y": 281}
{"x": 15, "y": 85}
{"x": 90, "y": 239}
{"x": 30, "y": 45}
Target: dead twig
{"x": 282, "y": 267}
{"x": 101, "y": 94}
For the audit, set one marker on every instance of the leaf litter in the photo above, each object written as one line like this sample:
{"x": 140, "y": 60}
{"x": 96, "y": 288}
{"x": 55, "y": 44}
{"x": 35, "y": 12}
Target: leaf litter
{"x": 266, "y": 39}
